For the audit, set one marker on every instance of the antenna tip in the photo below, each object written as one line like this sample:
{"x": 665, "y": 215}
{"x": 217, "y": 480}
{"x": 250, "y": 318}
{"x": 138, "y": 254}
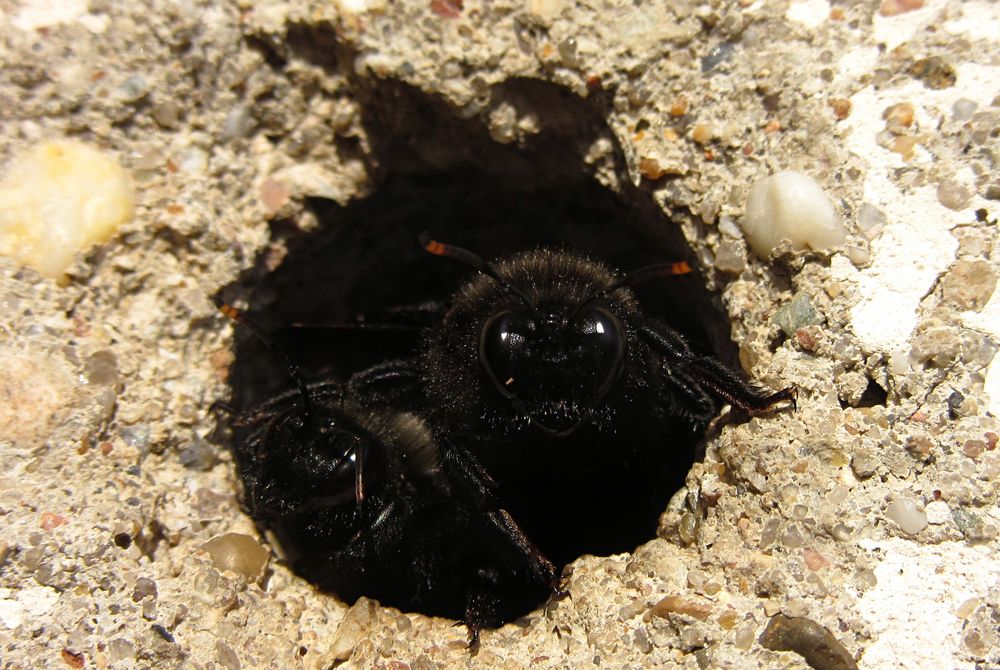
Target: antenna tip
{"x": 227, "y": 309}
{"x": 432, "y": 246}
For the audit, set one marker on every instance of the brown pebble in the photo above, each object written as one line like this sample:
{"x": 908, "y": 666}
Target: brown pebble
{"x": 991, "y": 441}
{"x": 679, "y": 107}
{"x": 898, "y": 117}
{"x": 72, "y": 659}
{"x": 814, "y": 560}
{"x": 50, "y": 521}
{"x": 651, "y": 169}
{"x": 273, "y": 195}
{"x": 702, "y": 133}
{"x": 841, "y": 108}
{"x": 772, "y": 126}
{"x": 895, "y": 7}
{"x": 809, "y": 337}
{"x": 449, "y": 9}
{"x": 814, "y": 643}
{"x": 935, "y": 72}
{"x": 903, "y": 145}
{"x": 973, "y": 448}
{"x": 680, "y": 605}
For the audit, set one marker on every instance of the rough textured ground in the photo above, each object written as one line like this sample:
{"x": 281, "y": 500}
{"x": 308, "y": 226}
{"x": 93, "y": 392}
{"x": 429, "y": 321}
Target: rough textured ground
{"x": 870, "y": 512}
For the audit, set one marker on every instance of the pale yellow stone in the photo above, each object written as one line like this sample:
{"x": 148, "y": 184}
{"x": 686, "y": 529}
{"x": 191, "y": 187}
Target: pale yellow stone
{"x": 59, "y": 198}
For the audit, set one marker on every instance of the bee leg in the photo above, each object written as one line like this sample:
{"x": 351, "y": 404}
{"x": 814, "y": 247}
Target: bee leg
{"x": 480, "y": 487}
{"x": 712, "y": 375}
{"x": 723, "y": 382}
{"x": 482, "y": 609}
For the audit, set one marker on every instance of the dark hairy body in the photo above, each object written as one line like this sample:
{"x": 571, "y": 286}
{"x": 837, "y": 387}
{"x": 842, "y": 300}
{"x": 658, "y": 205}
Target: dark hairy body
{"x": 543, "y": 407}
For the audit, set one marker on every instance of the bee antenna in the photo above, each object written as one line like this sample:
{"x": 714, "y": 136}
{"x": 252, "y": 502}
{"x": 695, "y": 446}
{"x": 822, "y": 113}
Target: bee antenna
{"x": 469, "y": 258}
{"x": 272, "y": 345}
{"x": 637, "y": 277}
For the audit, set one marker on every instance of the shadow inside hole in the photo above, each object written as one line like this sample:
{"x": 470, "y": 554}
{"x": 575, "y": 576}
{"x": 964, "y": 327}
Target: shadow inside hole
{"x": 363, "y": 262}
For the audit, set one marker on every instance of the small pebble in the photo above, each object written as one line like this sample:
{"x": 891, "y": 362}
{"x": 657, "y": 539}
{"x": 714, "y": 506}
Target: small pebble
{"x": 199, "y": 455}
{"x": 791, "y": 206}
{"x": 167, "y": 114}
{"x": 101, "y": 368}
{"x": 905, "y": 512}
{"x": 720, "y": 53}
{"x": 133, "y": 88}
{"x": 239, "y": 553}
{"x": 729, "y": 228}
{"x": 797, "y": 313}
{"x": 814, "y": 643}
{"x": 702, "y": 133}
{"x": 567, "y": 52}
{"x": 841, "y": 108}
{"x": 729, "y": 257}
{"x": 963, "y": 109}
{"x": 143, "y": 587}
{"x": 871, "y": 220}
{"x": 969, "y": 284}
{"x": 895, "y": 7}
{"x": 898, "y": 117}
{"x": 953, "y": 195}
{"x": 934, "y": 72}
{"x": 675, "y": 604}
{"x": 238, "y": 124}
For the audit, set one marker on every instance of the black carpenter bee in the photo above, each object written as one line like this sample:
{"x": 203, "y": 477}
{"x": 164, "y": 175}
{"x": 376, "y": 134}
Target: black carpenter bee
{"x": 543, "y": 408}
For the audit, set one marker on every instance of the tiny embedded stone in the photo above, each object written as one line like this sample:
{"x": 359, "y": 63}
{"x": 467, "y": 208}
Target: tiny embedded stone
{"x": 729, "y": 257}
{"x": 702, "y": 133}
{"x": 814, "y": 643}
{"x": 934, "y": 72}
{"x": 791, "y": 206}
{"x": 905, "y": 512}
{"x": 143, "y": 587}
{"x": 969, "y": 284}
{"x": 953, "y": 195}
{"x": 963, "y": 109}
{"x": 101, "y": 368}
{"x": 238, "y": 553}
{"x": 841, "y": 108}
{"x": 167, "y": 114}
{"x": 871, "y": 220}
{"x": 797, "y": 313}
{"x": 676, "y": 604}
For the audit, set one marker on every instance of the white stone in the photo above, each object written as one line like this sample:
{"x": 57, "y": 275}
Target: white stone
{"x": 790, "y": 206}
{"x": 906, "y": 513}
{"x": 60, "y": 198}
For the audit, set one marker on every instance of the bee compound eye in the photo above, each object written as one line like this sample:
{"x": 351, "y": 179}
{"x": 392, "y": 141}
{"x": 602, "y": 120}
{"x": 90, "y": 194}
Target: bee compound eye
{"x": 331, "y": 468}
{"x": 603, "y": 339}
{"x": 502, "y": 348}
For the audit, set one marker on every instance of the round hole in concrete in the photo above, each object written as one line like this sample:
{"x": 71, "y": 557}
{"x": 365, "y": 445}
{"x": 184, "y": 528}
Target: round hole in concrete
{"x": 447, "y": 175}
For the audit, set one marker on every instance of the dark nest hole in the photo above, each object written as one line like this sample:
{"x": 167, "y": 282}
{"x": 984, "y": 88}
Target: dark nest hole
{"x": 444, "y": 174}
